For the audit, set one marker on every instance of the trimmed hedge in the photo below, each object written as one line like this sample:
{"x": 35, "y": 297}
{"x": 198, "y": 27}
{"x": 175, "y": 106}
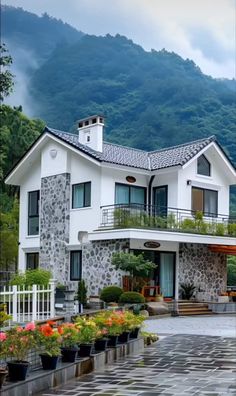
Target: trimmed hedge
{"x": 131, "y": 297}
{"x": 111, "y": 294}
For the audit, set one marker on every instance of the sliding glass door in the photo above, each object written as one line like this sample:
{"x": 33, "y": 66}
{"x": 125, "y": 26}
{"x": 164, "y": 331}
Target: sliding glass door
{"x": 160, "y": 195}
{"x": 167, "y": 274}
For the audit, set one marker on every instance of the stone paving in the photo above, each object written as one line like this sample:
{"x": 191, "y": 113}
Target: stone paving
{"x": 183, "y": 365}
{"x": 212, "y": 325}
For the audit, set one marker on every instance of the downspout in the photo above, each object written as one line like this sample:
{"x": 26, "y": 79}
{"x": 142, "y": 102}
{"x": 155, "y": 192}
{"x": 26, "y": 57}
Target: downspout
{"x": 150, "y": 193}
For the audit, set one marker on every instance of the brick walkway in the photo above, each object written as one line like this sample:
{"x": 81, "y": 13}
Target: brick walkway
{"x": 183, "y": 365}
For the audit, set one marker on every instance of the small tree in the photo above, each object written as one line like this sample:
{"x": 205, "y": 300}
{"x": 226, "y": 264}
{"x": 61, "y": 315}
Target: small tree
{"x": 82, "y": 294}
{"x": 137, "y": 266}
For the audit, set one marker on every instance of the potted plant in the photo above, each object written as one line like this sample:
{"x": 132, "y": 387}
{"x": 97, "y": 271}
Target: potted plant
{"x": 135, "y": 324}
{"x": 82, "y": 295}
{"x": 113, "y": 323}
{"x": 3, "y": 353}
{"x": 187, "y": 290}
{"x": 49, "y": 340}
{"x": 19, "y": 341}
{"x": 69, "y": 340}
{"x": 101, "y": 337}
{"x": 87, "y": 333}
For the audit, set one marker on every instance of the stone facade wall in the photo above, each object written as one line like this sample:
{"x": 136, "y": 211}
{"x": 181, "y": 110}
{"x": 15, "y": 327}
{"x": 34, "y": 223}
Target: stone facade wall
{"x": 54, "y": 225}
{"x": 97, "y": 270}
{"x": 207, "y": 270}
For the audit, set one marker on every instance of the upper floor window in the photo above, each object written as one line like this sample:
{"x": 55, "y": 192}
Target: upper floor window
{"x": 203, "y": 166}
{"x": 75, "y": 265}
{"x": 205, "y": 201}
{"x": 33, "y": 213}
{"x": 81, "y": 195}
{"x": 160, "y": 198}
{"x": 125, "y": 194}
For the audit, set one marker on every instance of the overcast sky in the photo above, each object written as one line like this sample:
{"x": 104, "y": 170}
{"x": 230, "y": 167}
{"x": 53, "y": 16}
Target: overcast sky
{"x": 202, "y": 30}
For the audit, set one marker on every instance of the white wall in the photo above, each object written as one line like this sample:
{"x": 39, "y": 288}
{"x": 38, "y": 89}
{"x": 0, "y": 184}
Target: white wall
{"x": 171, "y": 179}
{"x": 85, "y": 219}
{"x": 31, "y": 182}
{"x": 217, "y": 181}
{"x": 54, "y": 166}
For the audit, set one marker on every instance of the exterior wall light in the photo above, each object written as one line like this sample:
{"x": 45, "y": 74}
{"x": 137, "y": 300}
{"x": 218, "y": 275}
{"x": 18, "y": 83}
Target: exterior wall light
{"x": 53, "y": 153}
{"x": 189, "y": 182}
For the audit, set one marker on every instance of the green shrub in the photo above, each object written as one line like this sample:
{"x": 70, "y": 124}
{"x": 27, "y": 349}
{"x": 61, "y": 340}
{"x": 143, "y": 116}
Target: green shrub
{"x": 131, "y": 297}
{"x": 220, "y": 229}
{"x": 188, "y": 225}
{"x": 111, "y": 294}
{"x": 37, "y": 276}
{"x": 232, "y": 229}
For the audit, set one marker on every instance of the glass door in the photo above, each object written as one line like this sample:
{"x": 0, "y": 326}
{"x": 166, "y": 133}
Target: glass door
{"x": 167, "y": 274}
{"x": 160, "y": 200}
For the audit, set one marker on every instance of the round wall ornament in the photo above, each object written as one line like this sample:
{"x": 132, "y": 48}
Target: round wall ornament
{"x": 130, "y": 179}
{"x": 152, "y": 244}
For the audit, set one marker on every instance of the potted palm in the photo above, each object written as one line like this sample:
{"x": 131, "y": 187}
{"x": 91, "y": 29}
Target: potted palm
{"x": 19, "y": 341}
{"x": 49, "y": 341}
{"x": 87, "y": 333}
{"x": 69, "y": 339}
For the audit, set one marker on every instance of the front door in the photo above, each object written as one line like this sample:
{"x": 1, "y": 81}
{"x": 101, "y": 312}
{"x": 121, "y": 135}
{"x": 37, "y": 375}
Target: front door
{"x": 164, "y": 273}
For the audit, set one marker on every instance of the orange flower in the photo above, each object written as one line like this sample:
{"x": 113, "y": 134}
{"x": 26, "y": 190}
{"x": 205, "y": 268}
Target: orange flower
{"x": 60, "y": 329}
{"x": 50, "y": 322}
{"x": 46, "y": 330}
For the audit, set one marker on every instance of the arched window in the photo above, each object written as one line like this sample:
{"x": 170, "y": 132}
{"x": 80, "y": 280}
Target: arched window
{"x": 203, "y": 166}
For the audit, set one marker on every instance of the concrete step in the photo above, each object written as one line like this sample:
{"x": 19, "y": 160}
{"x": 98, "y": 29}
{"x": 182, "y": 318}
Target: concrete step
{"x": 192, "y": 313}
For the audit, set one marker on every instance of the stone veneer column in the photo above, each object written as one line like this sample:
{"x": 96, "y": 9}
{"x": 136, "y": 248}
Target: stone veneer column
{"x": 54, "y": 225}
{"x": 206, "y": 270}
{"x": 97, "y": 270}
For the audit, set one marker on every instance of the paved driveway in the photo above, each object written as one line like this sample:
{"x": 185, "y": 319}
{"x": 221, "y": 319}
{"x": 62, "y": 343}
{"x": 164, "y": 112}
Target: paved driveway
{"x": 215, "y": 325}
{"x": 182, "y": 365}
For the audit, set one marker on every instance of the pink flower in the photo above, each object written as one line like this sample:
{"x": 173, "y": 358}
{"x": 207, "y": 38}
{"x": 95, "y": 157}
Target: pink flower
{"x": 3, "y": 336}
{"x": 30, "y": 326}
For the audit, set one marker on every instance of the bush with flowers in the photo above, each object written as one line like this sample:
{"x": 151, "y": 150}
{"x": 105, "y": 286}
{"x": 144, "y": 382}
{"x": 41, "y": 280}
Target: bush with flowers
{"x": 49, "y": 339}
{"x": 18, "y": 341}
{"x": 69, "y": 335}
{"x": 87, "y": 330}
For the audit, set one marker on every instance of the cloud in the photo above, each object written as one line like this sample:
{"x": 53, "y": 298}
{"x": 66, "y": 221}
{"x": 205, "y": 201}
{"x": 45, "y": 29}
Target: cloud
{"x": 202, "y": 30}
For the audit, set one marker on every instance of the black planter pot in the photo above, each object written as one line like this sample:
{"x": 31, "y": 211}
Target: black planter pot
{"x": 112, "y": 341}
{"x": 101, "y": 345}
{"x": 124, "y": 337}
{"x": 69, "y": 354}
{"x": 17, "y": 370}
{"x": 85, "y": 350}
{"x": 49, "y": 362}
{"x": 134, "y": 333}
{"x": 3, "y": 374}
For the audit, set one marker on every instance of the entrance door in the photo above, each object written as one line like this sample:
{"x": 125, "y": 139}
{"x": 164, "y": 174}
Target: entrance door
{"x": 164, "y": 273}
{"x": 167, "y": 274}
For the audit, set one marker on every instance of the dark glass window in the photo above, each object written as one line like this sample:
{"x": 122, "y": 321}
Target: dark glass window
{"x": 160, "y": 197}
{"x": 32, "y": 261}
{"x": 33, "y": 213}
{"x": 203, "y": 166}
{"x": 81, "y": 195}
{"x": 125, "y": 194}
{"x": 75, "y": 265}
{"x": 205, "y": 201}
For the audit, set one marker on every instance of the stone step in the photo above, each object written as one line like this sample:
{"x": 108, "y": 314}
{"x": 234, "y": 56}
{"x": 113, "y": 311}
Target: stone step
{"x": 191, "y": 313}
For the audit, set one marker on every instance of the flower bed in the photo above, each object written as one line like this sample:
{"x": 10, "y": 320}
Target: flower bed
{"x": 67, "y": 340}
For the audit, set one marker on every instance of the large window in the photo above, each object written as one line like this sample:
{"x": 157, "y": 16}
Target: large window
{"x": 160, "y": 197}
{"x": 75, "y": 265}
{"x": 203, "y": 166}
{"x": 205, "y": 201}
{"x": 32, "y": 261}
{"x": 33, "y": 213}
{"x": 81, "y": 195}
{"x": 125, "y": 194}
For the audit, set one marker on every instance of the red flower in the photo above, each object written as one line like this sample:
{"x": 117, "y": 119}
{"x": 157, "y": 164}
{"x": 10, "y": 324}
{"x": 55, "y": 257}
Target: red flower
{"x": 46, "y": 330}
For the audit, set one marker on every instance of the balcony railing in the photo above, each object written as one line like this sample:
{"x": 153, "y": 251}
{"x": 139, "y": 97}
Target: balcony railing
{"x": 168, "y": 219}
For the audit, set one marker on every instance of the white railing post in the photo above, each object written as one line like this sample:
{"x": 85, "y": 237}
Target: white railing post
{"x": 14, "y": 303}
{"x": 52, "y": 284}
{"x": 34, "y": 302}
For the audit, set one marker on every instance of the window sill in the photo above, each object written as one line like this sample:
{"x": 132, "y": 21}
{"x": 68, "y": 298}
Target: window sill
{"x": 32, "y": 236}
{"x": 84, "y": 208}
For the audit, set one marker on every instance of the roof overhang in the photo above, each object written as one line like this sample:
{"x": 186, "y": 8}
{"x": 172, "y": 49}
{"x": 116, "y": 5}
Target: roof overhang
{"x": 15, "y": 175}
{"x": 154, "y": 235}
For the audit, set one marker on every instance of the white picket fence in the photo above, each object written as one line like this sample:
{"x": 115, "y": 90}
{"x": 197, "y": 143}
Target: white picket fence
{"x": 32, "y": 304}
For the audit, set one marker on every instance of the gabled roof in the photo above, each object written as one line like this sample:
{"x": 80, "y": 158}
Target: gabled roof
{"x": 127, "y": 156}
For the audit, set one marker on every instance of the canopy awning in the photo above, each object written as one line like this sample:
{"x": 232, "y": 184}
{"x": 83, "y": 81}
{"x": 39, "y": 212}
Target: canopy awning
{"x": 226, "y": 249}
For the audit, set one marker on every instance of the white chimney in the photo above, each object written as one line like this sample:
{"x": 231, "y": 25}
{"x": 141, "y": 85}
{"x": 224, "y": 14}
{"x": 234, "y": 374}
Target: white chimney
{"x": 91, "y": 132}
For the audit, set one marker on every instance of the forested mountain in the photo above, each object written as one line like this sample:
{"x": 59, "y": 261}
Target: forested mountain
{"x": 150, "y": 99}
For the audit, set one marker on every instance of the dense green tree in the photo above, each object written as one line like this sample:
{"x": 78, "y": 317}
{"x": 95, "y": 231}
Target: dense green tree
{"x": 6, "y": 77}
{"x": 9, "y": 229}
{"x": 231, "y": 281}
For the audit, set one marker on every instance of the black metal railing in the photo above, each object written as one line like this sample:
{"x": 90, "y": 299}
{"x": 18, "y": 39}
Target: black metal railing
{"x": 167, "y": 218}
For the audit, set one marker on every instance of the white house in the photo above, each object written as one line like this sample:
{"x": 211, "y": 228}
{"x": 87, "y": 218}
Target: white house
{"x": 81, "y": 199}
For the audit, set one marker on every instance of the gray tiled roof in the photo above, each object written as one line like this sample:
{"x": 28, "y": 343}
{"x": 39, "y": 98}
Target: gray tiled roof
{"x": 121, "y": 155}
